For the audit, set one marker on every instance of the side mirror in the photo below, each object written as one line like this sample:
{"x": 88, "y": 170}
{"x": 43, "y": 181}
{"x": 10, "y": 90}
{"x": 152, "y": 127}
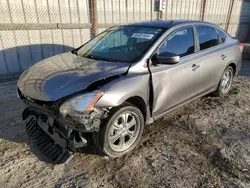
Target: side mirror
{"x": 166, "y": 58}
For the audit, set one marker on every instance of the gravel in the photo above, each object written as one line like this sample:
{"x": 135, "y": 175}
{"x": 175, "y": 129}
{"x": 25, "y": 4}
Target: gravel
{"x": 203, "y": 144}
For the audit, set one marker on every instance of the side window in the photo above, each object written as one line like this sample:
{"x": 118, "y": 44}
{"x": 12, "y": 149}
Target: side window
{"x": 180, "y": 43}
{"x": 208, "y": 37}
{"x": 222, "y": 35}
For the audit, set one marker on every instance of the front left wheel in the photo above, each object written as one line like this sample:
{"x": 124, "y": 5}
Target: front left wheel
{"x": 121, "y": 131}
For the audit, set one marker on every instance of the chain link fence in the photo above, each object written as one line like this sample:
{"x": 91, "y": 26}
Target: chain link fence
{"x": 32, "y": 30}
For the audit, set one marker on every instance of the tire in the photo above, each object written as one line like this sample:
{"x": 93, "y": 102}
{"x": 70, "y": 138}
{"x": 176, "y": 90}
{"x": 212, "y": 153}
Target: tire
{"x": 221, "y": 90}
{"x": 115, "y": 138}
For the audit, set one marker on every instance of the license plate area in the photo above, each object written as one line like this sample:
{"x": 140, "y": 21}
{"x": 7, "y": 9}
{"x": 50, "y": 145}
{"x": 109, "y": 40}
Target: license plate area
{"x": 52, "y": 132}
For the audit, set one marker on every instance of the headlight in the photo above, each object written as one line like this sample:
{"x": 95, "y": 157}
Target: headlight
{"x": 80, "y": 103}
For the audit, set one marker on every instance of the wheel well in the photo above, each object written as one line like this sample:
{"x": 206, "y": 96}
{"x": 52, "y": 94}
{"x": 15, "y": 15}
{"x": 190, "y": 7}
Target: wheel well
{"x": 233, "y": 66}
{"x": 139, "y": 103}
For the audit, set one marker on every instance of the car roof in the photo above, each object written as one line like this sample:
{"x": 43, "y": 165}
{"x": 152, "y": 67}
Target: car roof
{"x": 166, "y": 23}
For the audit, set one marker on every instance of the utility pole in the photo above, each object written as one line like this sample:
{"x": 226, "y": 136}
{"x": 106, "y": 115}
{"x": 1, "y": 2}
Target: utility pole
{"x": 94, "y": 18}
{"x": 229, "y": 14}
{"x": 162, "y": 8}
{"x": 203, "y": 10}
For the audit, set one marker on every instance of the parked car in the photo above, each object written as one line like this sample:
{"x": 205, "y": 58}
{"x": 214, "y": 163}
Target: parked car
{"x": 124, "y": 78}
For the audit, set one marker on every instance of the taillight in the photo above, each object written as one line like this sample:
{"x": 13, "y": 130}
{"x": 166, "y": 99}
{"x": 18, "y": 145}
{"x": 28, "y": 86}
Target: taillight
{"x": 241, "y": 45}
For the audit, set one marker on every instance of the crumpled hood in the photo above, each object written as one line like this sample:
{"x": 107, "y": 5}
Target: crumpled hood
{"x": 65, "y": 74}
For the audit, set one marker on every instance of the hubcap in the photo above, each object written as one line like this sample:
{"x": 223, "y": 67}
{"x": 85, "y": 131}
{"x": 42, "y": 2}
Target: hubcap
{"x": 226, "y": 81}
{"x": 124, "y": 131}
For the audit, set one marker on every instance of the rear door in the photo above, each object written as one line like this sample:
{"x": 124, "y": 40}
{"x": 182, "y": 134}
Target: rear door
{"x": 212, "y": 57}
{"x": 175, "y": 84}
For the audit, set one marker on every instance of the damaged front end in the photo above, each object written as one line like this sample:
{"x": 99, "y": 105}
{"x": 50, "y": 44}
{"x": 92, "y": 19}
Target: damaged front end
{"x": 80, "y": 109}
{"x": 64, "y": 123}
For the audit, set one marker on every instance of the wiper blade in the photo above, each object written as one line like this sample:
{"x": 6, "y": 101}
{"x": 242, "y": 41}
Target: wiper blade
{"x": 74, "y": 52}
{"x": 92, "y": 57}
{"x": 97, "y": 58}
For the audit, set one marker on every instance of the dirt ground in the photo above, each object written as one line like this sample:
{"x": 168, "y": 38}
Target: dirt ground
{"x": 204, "y": 144}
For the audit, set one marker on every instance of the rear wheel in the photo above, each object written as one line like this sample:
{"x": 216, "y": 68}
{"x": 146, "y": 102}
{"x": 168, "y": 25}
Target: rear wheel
{"x": 225, "y": 82}
{"x": 121, "y": 131}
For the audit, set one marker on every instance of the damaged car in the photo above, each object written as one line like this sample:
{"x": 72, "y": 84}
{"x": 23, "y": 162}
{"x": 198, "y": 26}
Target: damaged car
{"x": 121, "y": 80}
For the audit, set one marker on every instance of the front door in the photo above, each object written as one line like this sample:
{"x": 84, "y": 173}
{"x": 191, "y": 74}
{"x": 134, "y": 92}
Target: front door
{"x": 175, "y": 84}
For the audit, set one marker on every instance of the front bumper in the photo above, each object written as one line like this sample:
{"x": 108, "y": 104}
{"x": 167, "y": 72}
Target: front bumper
{"x": 52, "y": 152}
{"x": 62, "y": 135}
{"x": 90, "y": 119}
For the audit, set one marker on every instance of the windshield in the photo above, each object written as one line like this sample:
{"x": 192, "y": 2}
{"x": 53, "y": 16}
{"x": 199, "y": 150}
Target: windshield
{"x": 123, "y": 44}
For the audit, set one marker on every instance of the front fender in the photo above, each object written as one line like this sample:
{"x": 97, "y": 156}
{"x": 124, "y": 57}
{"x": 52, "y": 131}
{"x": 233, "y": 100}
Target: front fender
{"x": 119, "y": 90}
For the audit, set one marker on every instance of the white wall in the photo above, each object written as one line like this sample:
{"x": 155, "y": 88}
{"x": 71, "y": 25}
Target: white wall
{"x": 19, "y": 49}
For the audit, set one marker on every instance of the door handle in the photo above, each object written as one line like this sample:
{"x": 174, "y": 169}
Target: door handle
{"x": 194, "y": 67}
{"x": 223, "y": 57}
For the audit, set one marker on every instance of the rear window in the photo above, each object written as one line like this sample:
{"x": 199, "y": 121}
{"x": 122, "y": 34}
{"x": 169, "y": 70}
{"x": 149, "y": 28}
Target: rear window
{"x": 222, "y": 35}
{"x": 208, "y": 37}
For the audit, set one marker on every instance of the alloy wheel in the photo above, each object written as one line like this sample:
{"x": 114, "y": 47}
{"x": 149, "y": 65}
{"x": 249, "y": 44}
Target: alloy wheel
{"x": 124, "y": 131}
{"x": 226, "y": 81}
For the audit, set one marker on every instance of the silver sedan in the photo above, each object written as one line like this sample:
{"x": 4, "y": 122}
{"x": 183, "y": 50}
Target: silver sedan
{"x": 125, "y": 78}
